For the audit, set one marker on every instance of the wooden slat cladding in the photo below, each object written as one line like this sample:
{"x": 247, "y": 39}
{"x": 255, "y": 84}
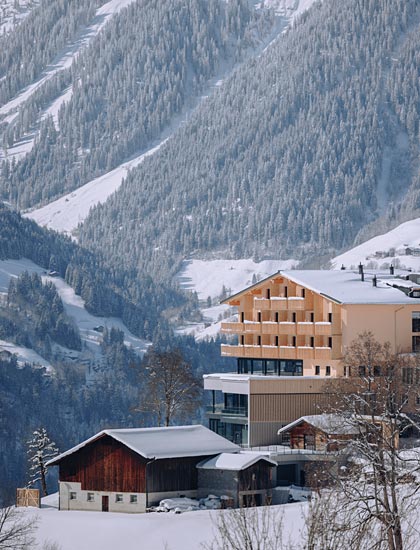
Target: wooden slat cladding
{"x": 105, "y": 465}
{"x": 284, "y": 408}
{"x": 299, "y": 384}
{"x": 173, "y": 474}
{"x": 256, "y": 477}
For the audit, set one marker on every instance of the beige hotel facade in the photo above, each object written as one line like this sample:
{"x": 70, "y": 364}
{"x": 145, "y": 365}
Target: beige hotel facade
{"x": 291, "y": 333}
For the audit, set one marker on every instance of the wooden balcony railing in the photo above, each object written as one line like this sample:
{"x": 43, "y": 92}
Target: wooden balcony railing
{"x": 305, "y": 328}
{"x": 323, "y": 329}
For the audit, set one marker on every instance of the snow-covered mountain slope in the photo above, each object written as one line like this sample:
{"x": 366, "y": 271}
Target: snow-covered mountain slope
{"x": 25, "y": 355}
{"x": 73, "y": 305}
{"x": 215, "y": 279}
{"x": 65, "y": 214}
{"x": 12, "y": 13}
{"x": 65, "y": 58}
{"x": 386, "y": 249}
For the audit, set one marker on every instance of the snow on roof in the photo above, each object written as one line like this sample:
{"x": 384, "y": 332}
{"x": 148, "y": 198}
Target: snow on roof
{"x": 328, "y": 423}
{"x": 346, "y": 286}
{"x": 235, "y": 462}
{"x": 172, "y": 442}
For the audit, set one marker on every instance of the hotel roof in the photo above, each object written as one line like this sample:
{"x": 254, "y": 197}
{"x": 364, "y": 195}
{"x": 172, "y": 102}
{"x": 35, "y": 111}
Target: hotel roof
{"x": 347, "y": 287}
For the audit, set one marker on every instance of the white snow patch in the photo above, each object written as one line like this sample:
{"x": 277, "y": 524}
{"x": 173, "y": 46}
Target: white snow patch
{"x": 406, "y": 235}
{"x": 25, "y": 355}
{"x": 288, "y": 8}
{"x": 12, "y": 13}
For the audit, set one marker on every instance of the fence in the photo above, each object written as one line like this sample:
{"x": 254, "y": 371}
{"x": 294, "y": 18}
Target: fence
{"x": 28, "y": 497}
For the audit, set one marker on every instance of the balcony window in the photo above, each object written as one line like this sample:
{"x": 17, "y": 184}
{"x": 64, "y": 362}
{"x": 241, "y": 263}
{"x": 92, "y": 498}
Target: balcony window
{"x": 416, "y": 321}
{"x": 235, "y": 403}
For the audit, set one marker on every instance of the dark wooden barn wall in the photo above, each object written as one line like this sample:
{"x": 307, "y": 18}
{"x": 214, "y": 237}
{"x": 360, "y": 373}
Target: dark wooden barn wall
{"x": 173, "y": 474}
{"x": 256, "y": 477}
{"x": 105, "y": 465}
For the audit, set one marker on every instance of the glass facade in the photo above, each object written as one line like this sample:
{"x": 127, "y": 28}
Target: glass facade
{"x": 237, "y": 433}
{"x": 271, "y": 367}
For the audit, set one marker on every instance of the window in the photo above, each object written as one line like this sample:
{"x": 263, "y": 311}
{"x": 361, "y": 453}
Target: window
{"x": 259, "y": 340}
{"x": 317, "y": 370}
{"x": 133, "y": 499}
{"x": 294, "y": 341}
{"x": 277, "y": 341}
{"x": 294, "y": 317}
{"x": 312, "y": 317}
{"x": 312, "y": 342}
{"x": 418, "y": 400}
{"x": 327, "y": 370}
{"x": 118, "y": 498}
{"x": 376, "y": 371}
{"x": 330, "y": 342}
{"x": 242, "y": 316}
{"x": 242, "y": 340}
{"x": 73, "y": 495}
{"x": 407, "y": 375}
{"x": 277, "y": 317}
{"x": 285, "y": 291}
{"x": 90, "y": 497}
{"x": 416, "y": 344}
{"x": 362, "y": 370}
{"x": 259, "y": 316}
{"x": 330, "y": 317}
{"x": 415, "y": 321}
{"x": 303, "y": 293}
{"x": 268, "y": 293}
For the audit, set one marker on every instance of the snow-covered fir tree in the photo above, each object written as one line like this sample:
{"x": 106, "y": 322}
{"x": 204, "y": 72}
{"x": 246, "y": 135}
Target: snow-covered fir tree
{"x": 40, "y": 450}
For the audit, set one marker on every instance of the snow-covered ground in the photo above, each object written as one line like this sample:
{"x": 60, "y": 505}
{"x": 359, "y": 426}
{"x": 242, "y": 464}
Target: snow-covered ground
{"x": 107, "y": 531}
{"x": 375, "y": 252}
{"x": 288, "y": 8}
{"x": 209, "y": 278}
{"x": 73, "y": 305}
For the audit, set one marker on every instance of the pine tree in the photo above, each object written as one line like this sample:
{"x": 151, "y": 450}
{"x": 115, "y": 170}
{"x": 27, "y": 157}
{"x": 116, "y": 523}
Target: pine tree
{"x": 40, "y": 450}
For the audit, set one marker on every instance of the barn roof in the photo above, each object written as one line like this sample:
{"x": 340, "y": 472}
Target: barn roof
{"x": 172, "y": 442}
{"x": 235, "y": 462}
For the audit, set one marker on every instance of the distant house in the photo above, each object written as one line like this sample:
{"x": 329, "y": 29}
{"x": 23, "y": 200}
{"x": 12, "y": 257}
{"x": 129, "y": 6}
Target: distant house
{"x": 129, "y": 470}
{"x": 318, "y": 432}
{"x": 411, "y": 251}
{"x": 247, "y": 478}
{"x": 326, "y": 432}
{"x": 5, "y": 355}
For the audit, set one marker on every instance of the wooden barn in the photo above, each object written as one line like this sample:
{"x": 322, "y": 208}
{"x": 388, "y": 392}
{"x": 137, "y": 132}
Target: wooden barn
{"x": 129, "y": 470}
{"x": 247, "y": 478}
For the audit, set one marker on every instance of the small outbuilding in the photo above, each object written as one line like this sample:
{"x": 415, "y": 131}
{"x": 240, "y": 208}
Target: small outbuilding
{"x": 247, "y": 478}
{"x": 129, "y": 470}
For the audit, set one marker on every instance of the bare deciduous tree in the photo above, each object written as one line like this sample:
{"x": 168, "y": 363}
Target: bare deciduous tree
{"x": 373, "y": 500}
{"x": 171, "y": 391}
{"x": 249, "y": 529}
{"x": 16, "y": 529}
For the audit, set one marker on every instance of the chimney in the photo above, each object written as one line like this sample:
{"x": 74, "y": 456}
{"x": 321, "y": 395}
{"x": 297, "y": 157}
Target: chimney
{"x": 374, "y": 281}
{"x": 343, "y": 267}
{"x": 391, "y": 269}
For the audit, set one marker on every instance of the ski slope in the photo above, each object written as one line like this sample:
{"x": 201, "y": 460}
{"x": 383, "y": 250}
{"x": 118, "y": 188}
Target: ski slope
{"x": 25, "y": 355}
{"x": 405, "y": 235}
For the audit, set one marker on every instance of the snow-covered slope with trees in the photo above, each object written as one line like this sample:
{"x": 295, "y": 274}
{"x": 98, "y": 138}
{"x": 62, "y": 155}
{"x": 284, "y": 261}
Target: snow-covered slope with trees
{"x": 74, "y": 307}
{"x": 384, "y": 250}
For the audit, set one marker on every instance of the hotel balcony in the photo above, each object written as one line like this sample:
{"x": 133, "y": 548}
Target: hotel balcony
{"x": 323, "y": 329}
{"x": 220, "y": 410}
{"x": 305, "y": 352}
{"x": 323, "y": 353}
{"x": 305, "y": 328}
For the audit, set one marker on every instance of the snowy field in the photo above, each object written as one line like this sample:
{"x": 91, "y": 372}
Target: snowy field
{"x": 403, "y": 236}
{"x": 25, "y": 355}
{"x": 73, "y": 305}
{"x": 108, "y": 531}
{"x": 209, "y": 277}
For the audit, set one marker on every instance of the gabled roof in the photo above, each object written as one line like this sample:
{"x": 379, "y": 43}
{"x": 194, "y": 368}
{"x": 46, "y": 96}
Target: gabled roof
{"x": 235, "y": 462}
{"x": 346, "y": 286}
{"x": 333, "y": 424}
{"x": 172, "y": 442}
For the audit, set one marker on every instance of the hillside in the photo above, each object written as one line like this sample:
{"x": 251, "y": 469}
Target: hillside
{"x": 310, "y": 123}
